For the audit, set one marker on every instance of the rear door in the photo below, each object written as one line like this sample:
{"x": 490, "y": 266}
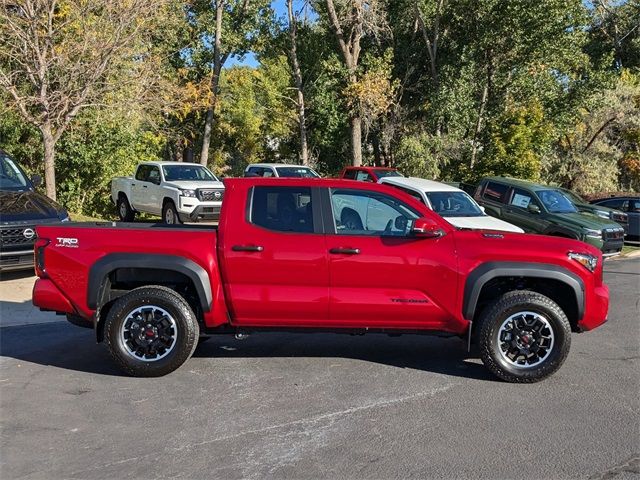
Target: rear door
{"x": 381, "y": 276}
{"x": 274, "y": 258}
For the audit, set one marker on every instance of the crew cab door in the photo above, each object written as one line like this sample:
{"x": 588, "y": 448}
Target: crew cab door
{"x": 381, "y": 275}
{"x": 274, "y": 256}
{"x": 137, "y": 187}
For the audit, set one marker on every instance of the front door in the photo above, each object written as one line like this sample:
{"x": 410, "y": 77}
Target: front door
{"x": 516, "y": 211}
{"x": 381, "y": 276}
{"x": 275, "y": 258}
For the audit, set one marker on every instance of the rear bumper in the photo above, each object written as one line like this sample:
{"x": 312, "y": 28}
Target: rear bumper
{"x": 18, "y": 260}
{"x": 596, "y": 310}
{"x": 48, "y": 297}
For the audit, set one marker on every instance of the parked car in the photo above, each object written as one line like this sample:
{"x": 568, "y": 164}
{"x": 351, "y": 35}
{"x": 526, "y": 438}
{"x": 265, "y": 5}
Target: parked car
{"x": 150, "y": 291}
{"x": 581, "y": 204}
{"x": 541, "y": 209}
{"x": 21, "y": 209}
{"x": 279, "y": 170}
{"x": 630, "y": 205}
{"x": 455, "y": 205}
{"x": 177, "y": 191}
{"x": 369, "y": 174}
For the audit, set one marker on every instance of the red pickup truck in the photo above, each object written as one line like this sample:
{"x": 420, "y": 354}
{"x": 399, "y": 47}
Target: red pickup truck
{"x": 283, "y": 258}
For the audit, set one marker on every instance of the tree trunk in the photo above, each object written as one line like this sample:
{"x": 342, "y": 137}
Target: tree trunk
{"x": 49, "y": 160}
{"x": 297, "y": 76}
{"x": 356, "y": 141}
{"x": 476, "y": 132}
{"x": 215, "y": 83}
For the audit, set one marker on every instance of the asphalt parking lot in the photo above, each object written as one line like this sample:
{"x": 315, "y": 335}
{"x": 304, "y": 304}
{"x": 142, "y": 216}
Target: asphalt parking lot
{"x": 316, "y": 406}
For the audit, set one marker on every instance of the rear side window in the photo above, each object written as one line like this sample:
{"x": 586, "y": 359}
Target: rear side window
{"x": 616, "y": 203}
{"x": 496, "y": 192}
{"x": 143, "y": 172}
{"x": 282, "y": 209}
{"x": 350, "y": 175}
{"x": 363, "y": 176}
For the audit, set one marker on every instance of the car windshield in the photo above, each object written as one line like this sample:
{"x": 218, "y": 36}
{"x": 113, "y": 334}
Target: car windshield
{"x": 188, "y": 172}
{"x": 11, "y": 177}
{"x": 454, "y": 204}
{"x": 556, "y": 202}
{"x": 388, "y": 173}
{"x": 299, "y": 172}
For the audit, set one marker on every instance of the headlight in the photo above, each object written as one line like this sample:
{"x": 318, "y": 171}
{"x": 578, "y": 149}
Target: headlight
{"x": 188, "y": 193}
{"x": 587, "y": 260}
{"x": 589, "y": 232}
{"x": 602, "y": 214}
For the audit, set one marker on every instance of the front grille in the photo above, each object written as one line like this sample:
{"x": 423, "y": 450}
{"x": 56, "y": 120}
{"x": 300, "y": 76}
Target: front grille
{"x": 612, "y": 234}
{"x": 15, "y": 237}
{"x": 210, "y": 195}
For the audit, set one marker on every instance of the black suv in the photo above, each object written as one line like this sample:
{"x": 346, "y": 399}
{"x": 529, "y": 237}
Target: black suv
{"x": 21, "y": 209}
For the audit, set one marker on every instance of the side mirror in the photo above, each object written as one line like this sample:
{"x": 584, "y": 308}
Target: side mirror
{"x": 482, "y": 208}
{"x": 533, "y": 208}
{"x": 36, "y": 180}
{"x": 426, "y": 228}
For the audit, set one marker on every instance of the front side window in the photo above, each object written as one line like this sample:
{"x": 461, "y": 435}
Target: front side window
{"x": 11, "y": 177}
{"x": 521, "y": 198}
{"x": 357, "y": 212}
{"x": 555, "y": 202}
{"x": 187, "y": 172}
{"x": 363, "y": 176}
{"x": 282, "y": 209}
{"x": 296, "y": 172}
{"x": 634, "y": 206}
{"x": 495, "y": 192}
{"x": 154, "y": 175}
{"x": 350, "y": 175}
{"x": 454, "y": 204}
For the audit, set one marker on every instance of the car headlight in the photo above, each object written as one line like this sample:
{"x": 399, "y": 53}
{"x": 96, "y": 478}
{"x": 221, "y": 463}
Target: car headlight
{"x": 588, "y": 261}
{"x": 589, "y": 232}
{"x": 188, "y": 193}
{"x": 602, "y": 214}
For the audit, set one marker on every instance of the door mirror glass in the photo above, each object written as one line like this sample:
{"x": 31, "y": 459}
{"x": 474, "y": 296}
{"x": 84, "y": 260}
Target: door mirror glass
{"x": 533, "y": 208}
{"x": 426, "y": 228}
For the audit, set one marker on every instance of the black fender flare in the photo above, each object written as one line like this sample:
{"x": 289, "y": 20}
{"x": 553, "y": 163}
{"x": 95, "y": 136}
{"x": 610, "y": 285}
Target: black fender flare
{"x": 490, "y": 270}
{"x": 102, "y": 268}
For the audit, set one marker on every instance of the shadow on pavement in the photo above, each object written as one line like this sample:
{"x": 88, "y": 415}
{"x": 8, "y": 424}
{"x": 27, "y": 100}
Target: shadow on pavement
{"x": 17, "y": 275}
{"x": 65, "y": 346}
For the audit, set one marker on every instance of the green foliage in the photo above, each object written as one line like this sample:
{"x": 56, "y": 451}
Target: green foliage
{"x": 416, "y": 156}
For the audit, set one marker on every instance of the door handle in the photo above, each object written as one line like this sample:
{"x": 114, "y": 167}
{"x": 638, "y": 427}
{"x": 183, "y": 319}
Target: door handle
{"x": 133, "y": 184}
{"x": 144, "y": 186}
{"x": 345, "y": 251}
{"x": 247, "y": 248}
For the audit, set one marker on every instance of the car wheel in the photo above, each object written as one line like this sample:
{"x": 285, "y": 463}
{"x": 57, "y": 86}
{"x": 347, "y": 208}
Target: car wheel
{"x": 523, "y": 337}
{"x": 170, "y": 214}
{"x": 151, "y": 331}
{"x": 125, "y": 212}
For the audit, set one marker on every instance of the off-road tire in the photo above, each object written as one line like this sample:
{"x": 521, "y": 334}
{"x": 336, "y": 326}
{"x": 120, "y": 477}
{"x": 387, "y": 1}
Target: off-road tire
{"x": 511, "y": 303}
{"x": 186, "y": 326}
{"x": 125, "y": 212}
{"x": 169, "y": 208}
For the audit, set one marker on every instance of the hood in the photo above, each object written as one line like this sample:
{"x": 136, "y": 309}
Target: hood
{"x": 484, "y": 222}
{"x": 582, "y": 219}
{"x": 28, "y": 206}
{"x": 194, "y": 184}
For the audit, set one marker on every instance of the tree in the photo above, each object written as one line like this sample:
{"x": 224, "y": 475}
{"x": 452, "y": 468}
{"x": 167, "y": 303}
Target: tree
{"x": 297, "y": 78}
{"x": 60, "y": 56}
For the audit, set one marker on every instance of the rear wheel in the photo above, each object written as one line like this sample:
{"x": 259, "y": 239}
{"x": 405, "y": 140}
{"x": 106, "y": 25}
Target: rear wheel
{"x": 524, "y": 337}
{"x": 125, "y": 212}
{"x": 151, "y": 331}
{"x": 170, "y": 214}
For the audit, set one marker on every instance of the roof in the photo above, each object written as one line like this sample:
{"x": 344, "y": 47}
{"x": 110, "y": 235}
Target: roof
{"x": 421, "y": 184}
{"x": 364, "y": 167}
{"x": 515, "y": 182}
{"x": 277, "y": 165}
{"x": 158, "y": 162}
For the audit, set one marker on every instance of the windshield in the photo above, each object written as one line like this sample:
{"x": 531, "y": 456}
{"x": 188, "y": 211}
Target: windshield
{"x": 454, "y": 204}
{"x": 556, "y": 202}
{"x": 388, "y": 173}
{"x": 298, "y": 172}
{"x": 11, "y": 177}
{"x": 187, "y": 172}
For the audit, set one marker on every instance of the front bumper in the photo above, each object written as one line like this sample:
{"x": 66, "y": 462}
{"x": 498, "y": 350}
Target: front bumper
{"x": 597, "y": 308}
{"x": 16, "y": 260}
{"x": 202, "y": 211}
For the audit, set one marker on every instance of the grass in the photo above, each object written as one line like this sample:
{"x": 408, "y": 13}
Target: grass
{"x": 78, "y": 217}
{"x": 627, "y": 249}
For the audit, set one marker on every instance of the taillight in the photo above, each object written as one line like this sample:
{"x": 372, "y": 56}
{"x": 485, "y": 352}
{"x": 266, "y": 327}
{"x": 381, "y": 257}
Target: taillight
{"x": 38, "y": 252}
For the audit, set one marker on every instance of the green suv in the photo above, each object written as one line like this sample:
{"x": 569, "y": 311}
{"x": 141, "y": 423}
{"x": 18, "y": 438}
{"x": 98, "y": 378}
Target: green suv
{"x": 546, "y": 210}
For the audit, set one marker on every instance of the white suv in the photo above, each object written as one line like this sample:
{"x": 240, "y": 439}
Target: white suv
{"x": 451, "y": 203}
{"x": 279, "y": 170}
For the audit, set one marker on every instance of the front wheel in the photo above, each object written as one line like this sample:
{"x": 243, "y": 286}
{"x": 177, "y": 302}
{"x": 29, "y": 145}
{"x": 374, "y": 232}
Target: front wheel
{"x": 170, "y": 214}
{"x": 151, "y": 331}
{"x": 524, "y": 337}
{"x": 125, "y": 212}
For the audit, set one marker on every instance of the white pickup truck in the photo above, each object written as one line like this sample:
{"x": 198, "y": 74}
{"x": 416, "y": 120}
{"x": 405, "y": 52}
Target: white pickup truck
{"x": 177, "y": 191}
